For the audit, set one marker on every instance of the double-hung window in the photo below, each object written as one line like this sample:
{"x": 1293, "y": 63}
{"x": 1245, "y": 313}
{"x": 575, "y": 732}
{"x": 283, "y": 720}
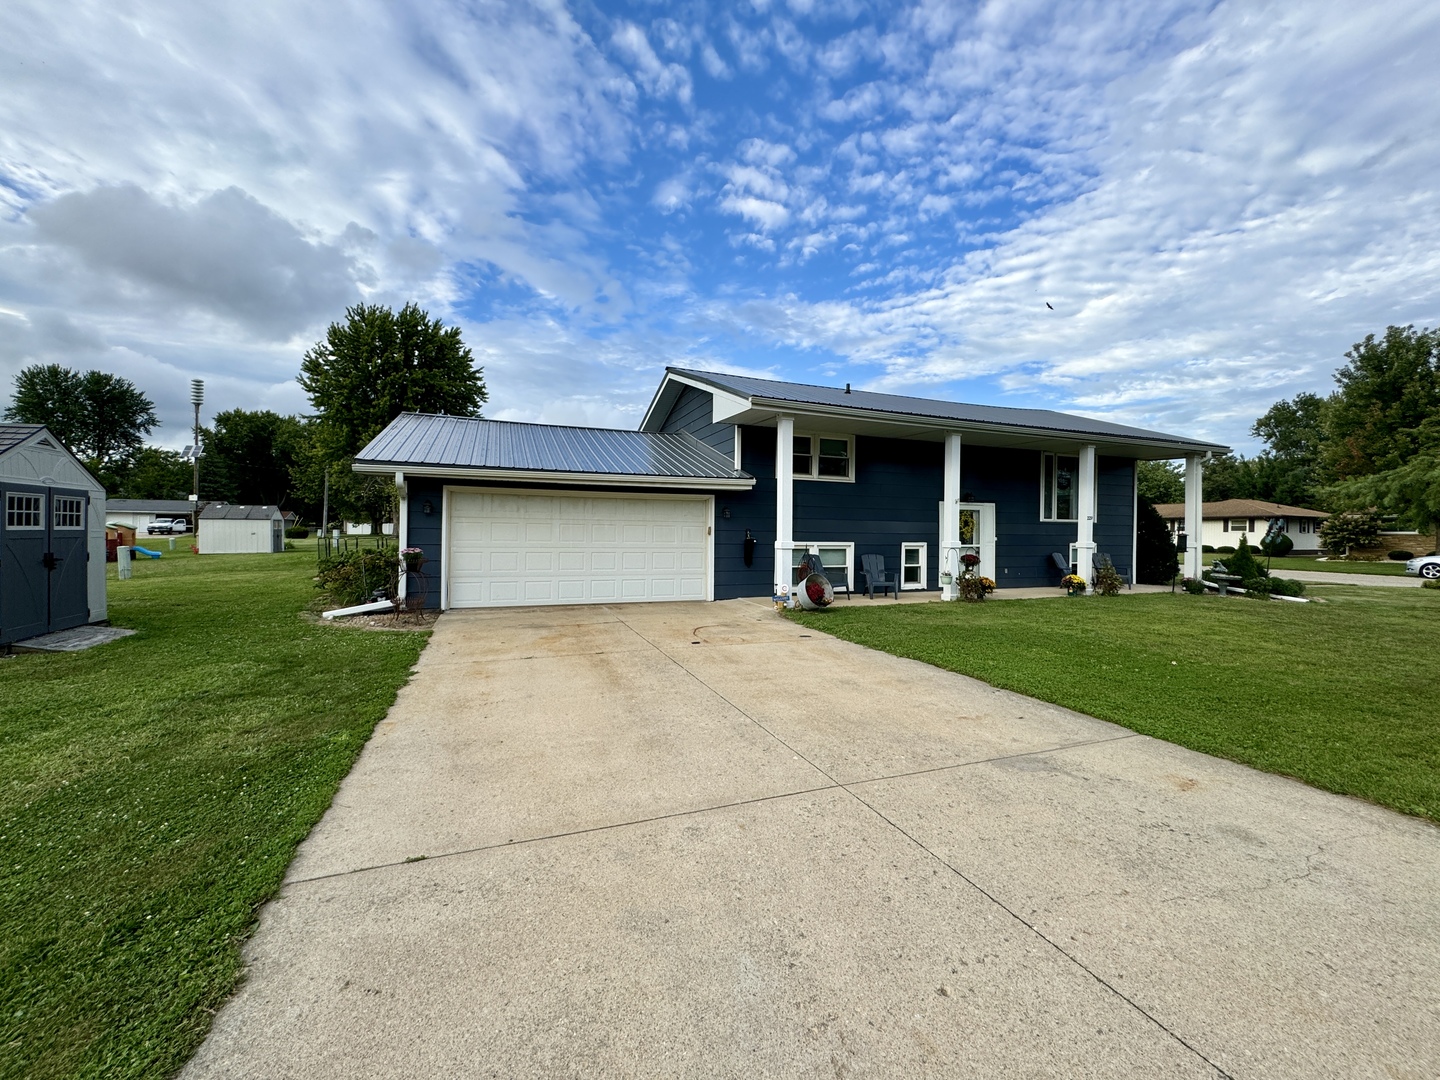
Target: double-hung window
{"x": 1059, "y": 488}
{"x": 837, "y": 557}
{"x": 824, "y": 457}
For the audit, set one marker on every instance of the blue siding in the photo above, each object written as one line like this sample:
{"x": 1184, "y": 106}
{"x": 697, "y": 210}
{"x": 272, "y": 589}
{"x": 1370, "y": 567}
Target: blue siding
{"x": 691, "y": 412}
{"x": 1115, "y": 524}
{"x": 424, "y": 529}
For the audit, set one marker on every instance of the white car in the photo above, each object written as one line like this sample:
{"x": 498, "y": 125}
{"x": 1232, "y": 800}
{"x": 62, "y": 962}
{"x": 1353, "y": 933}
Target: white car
{"x": 1427, "y": 566}
{"x": 168, "y": 527}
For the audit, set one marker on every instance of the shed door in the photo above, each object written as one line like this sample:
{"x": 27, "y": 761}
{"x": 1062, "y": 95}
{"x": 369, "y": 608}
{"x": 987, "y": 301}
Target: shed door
{"x": 521, "y": 548}
{"x": 43, "y": 552}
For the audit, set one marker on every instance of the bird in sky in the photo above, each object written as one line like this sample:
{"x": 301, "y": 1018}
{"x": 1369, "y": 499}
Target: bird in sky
{"x": 1049, "y": 305}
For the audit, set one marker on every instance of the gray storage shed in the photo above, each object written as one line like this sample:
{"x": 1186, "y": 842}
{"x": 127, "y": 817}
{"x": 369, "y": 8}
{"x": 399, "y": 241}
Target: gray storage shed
{"x": 52, "y": 536}
{"x": 226, "y": 529}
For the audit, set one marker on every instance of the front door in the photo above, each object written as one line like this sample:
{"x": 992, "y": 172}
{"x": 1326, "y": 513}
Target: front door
{"x": 976, "y": 532}
{"x": 43, "y": 554}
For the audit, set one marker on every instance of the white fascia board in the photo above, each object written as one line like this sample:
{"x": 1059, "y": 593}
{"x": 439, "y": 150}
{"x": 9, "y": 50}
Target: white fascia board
{"x": 702, "y": 483}
{"x": 1046, "y": 435}
{"x": 724, "y": 404}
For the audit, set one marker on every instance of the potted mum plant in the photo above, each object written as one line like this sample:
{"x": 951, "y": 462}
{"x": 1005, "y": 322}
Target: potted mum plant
{"x": 1074, "y": 585}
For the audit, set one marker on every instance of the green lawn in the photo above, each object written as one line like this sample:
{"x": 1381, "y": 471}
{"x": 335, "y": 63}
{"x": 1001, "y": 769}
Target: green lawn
{"x": 1291, "y": 562}
{"x": 152, "y": 793}
{"x": 1340, "y": 695}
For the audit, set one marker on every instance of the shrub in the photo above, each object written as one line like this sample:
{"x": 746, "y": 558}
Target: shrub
{"x": 1430, "y": 584}
{"x": 297, "y": 532}
{"x": 353, "y": 577}
{"x": 1156, "y": 562}
{"x": 1278, "y": 547}
{"x": 1401, "y": 556}
{"x": 1194, "y": 586}
{"x": 1107, "y": 579}
{"x": 1225, "y": 549}
{"x": 1207, "y": 549}
{"x": 1357, "y": 529}
{"x": 1287, "y": 587}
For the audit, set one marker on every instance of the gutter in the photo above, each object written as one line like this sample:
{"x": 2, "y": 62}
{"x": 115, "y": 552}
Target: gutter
{"x": 457, "y": 472}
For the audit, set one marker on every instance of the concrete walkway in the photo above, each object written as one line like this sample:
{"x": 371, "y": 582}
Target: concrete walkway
{"x": 696, "y": 840}
{"x": 1320, "y": 577}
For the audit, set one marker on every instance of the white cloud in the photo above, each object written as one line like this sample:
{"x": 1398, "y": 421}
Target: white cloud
{"x": 658, "y": 78}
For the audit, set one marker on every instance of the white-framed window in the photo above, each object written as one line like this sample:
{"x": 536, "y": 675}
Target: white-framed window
{"x": 24, "y": 511}
{"x": 1059, "y": 487}
{"x": 1238, "y": 525}
{"x": 836, "y": 556}
{"x": 824, "y": 457}
{"x": 914, "y": 564}
{"x": 69, "y": 513}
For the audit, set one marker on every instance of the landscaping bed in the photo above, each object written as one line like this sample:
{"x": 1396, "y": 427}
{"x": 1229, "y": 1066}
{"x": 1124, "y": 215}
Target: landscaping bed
{"x": 153, "y": 794}
{"x": 1340, "y": 694}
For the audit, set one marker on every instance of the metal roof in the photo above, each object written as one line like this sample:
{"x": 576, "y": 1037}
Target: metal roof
{"x": 173, "y": 507}
{"x": 415, "y": 440}
{"x": 829, "y": 397}
{"x": 12, "y": 435}
{"x": 230, "y": 512}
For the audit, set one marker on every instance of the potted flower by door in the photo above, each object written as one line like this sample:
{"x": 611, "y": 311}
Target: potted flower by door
{"x": 1074, "y": 585}
{"x": 413, "y": 558}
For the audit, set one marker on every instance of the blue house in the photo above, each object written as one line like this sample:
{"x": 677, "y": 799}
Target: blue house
{"x": 730, "y": 480}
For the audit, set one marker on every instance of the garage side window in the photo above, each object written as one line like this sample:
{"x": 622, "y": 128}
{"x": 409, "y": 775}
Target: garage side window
{"x": 69, "y": 513}
{"x": 24, "y": 511}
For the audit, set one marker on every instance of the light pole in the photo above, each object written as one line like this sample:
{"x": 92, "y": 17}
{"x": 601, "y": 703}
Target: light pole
{"x": 197, "y": 398}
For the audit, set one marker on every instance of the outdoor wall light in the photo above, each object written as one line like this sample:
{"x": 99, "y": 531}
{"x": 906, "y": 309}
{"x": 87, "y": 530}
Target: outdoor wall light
{"x": 725, "y": 511}
{"x": 426, "y": 508}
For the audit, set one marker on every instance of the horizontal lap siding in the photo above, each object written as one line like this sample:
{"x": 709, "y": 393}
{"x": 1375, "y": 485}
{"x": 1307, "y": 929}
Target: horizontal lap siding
{"x": 691, "y": 412}
{"x": 1011, "y": 480}
{"x": 423, "y": 530}
{"x": 1115, "y": 525}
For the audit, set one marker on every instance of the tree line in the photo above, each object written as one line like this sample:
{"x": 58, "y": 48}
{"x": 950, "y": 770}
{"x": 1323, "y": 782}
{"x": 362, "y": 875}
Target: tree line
{"x": 1372, "y": 444}
{"x": 363, "y": 373}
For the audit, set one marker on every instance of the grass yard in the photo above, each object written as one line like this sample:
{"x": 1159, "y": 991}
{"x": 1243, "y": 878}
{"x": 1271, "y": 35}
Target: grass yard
{"x": 152, "y": 793}
{"x": 1291, "y": 562}
{"x": 1340, "y": 695}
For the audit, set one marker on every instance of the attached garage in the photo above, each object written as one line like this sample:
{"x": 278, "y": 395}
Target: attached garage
{"x": 523, "y": 547}
{"x": 529, "y": 514}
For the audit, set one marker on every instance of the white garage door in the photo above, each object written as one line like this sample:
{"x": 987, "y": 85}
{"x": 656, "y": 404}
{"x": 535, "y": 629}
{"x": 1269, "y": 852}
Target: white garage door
{"x": 508, "y": 548}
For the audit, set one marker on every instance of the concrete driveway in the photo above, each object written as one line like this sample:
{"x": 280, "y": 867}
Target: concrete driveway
{"x": 699, "y": 841}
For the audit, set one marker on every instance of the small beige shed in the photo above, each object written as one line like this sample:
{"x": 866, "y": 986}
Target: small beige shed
{"x": 226, "y": 529}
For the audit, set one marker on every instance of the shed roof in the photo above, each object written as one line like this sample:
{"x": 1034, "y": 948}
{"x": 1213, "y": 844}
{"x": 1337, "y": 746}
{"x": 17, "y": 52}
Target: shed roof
{"x": 960, "y": 414}
{"x": 12, "y": 435}
{"x": 1236, "y": 508}
{"x": 150, "y": 506}
{"x": 423, "y": 442}
{"x": 231, "y": 512}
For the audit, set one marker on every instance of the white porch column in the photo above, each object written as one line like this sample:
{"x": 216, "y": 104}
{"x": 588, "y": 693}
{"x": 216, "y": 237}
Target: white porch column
{"x": 1194, "y": 476}
{"x": 402, "y": 525}
{"x": 784, "y": 500}
{"x": 1085, "y": 515}
{"x": 950, "y": 517}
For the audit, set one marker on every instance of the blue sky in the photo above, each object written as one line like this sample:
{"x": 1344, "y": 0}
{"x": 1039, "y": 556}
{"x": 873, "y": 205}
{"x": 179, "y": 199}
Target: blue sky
{"x": 1215, "y": 199}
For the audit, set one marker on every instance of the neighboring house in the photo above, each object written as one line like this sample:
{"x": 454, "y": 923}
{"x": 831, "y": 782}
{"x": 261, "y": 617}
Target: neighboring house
{"x": 226, "y": 529}
{"x": 139, "y": 513}
{"x": 52, "y": 536}
{"x": 698, "y": 504}
{"x": 1227, "y": 521}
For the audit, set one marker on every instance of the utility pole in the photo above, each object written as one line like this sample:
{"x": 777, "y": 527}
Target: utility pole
{"x": 197, "y": 398}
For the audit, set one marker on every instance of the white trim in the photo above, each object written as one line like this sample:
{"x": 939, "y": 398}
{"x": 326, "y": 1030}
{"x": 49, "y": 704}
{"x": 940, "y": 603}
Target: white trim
{"x": 784, "y": 501}
{"x": 813, "y": 547}
{"x": 1134, "y": 523}
{"x": 40, "y": 509}
{"x": 738, "y": 466}
{"x": 723, "y": 404}
{"x": 1194, "y": 514}
{"x": 1095, "y": 503}
{"x": 703, "y": 483}
{"x": 402, "y": 529}
{"x": 445, "y": 530}
{"x": 924, "y": 548}
{"x": 814, "y": 456}
{"x": 951, "y": 488}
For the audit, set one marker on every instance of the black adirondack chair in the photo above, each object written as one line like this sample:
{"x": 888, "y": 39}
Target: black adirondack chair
{"x": 872, "y": 567}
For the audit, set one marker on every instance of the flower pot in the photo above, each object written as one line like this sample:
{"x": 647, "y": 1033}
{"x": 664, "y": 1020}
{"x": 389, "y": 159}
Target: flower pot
{"x": 947, "y": 578}
{"x": 815, "y": 592}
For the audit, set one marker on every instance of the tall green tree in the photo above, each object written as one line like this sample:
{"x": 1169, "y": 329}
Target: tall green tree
{"x": 1160, "y": 481}
{"x": 152, "y": 474}
{"x": 250, "y": 456}
{"x": 1289, "y": 471}
{"x": 377, "y": 364}
{"x": 1388, "y": 389}
{"x": 1410, "y": 491}
{"x": 100, "y": 417}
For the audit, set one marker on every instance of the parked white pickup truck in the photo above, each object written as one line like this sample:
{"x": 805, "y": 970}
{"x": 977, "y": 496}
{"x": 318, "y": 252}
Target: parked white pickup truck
{"x": 168, "y": 527}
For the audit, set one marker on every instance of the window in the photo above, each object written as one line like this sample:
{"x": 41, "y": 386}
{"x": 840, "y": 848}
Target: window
{"x": 836, "y": 557}
{"x": 69, "y": 513}
{"x": 24, "y": 511}
{"x": 1059, "y": 488}
{"x": 1237, "y": 525}
{"x": 913, "y": 566}
{"x": 1303, "y": 525}
{"x": 824, "y": 457}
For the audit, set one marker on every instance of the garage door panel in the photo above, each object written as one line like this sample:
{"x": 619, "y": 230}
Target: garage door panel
{"x": 576, "y": 549}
